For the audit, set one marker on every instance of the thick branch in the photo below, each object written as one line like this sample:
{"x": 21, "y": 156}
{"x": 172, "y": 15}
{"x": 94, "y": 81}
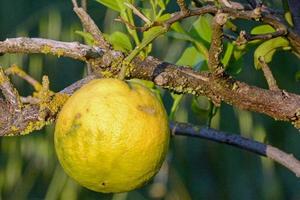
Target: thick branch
{"x": 73, "y": 50}
{"x": 287, "y": 160}
{"x": 29, "y": 116}
{"x": 281, "y": 106}
{"x": 277, "y": 104}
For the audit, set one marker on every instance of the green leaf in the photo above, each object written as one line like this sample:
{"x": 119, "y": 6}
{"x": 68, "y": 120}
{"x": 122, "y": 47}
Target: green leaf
{"x": 120, "y": 41}
{"x": 202, "y": 26}
{"x": 201, "y": 48}
{"x": 228, "y": 54}
{"x": 116, "y": 5}
{"x": 147, "y": 12}
{"x": 236, "y": 66}
{"x": 200, "y": 105}
{"x": 148, "y": 84}
{"x": 297, "y": 76}
{"x": 236, "y": 62}
{"x": 262, "y": 29}
{"x": 288, "y": 17}
{"x": 149, "y": 36}
{"x": 152, "y": 32}
{"x": 177, "y": 99}
{"x": 268, "y": 48}
{"x": 112, "y": 4}
{"x": 190, "y": 57}
{"x": 180, "y": 36}
{"x": 88, "y": 38}
{"x": 239, "y": 51}
{"x": 177, "y": 27}
{"x": 161, "y": 4}
{"x": 163, "y": 17}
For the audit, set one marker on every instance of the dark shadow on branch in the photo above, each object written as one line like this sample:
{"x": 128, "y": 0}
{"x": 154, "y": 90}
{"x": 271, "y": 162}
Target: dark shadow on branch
{"x": 287, "y": 160}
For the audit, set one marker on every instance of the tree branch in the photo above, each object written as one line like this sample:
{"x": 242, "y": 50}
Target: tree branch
{"x": 16, "y": 118}
{"x": 9, "y": 92}
{"x": 90, "y": 26}
{"x": 29, "y": 118}
{"x": 273, "y": 153}
{"x": 216, "y": 47}
{"x": 73, "y": 50}
{"x": 268, "y": 75}
{"x": 280, "y": 106}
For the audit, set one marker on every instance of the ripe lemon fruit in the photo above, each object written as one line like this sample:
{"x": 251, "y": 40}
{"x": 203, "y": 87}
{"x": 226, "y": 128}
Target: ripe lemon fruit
{"x": 112, "y": 136}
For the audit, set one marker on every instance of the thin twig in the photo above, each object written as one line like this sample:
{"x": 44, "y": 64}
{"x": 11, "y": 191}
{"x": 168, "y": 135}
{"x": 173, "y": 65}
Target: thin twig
{"x": 244, "y": 37}
{"x": 29, "y": 100}
{"x": 267, "y": 36}
{"x": 216, "y": 47}
{"x": 90, "y": 26}
{"x": 84, "y": 7}
{"x": 183, "y": 7}
{"x": 273, "y": 153}
{"x": 268, "y": 75}
{"x": 15, "y": 70}
{"x": 138, "y": 13}
{"x": 9, "y": 92}
{"x": 126, "y": 62}
{"x": 75, "y": 86}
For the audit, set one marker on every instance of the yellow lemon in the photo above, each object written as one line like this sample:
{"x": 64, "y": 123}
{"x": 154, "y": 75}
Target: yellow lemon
{"x": 112, "y": 136}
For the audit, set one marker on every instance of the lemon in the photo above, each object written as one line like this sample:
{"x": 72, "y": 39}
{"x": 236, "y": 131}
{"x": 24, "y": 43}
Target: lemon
{"x": 112, "y": 136}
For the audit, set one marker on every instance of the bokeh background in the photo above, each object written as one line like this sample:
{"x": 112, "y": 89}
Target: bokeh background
{"x": 194, "y": 168}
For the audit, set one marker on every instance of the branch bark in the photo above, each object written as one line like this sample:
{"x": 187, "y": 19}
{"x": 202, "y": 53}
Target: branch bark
{"x": 276, "y": 104}
{"x": 273, "y": 153}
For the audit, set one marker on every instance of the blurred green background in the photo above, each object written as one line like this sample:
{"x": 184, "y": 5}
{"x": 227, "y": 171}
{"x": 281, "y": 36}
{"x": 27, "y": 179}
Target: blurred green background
{"x": 194, "y": 168}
